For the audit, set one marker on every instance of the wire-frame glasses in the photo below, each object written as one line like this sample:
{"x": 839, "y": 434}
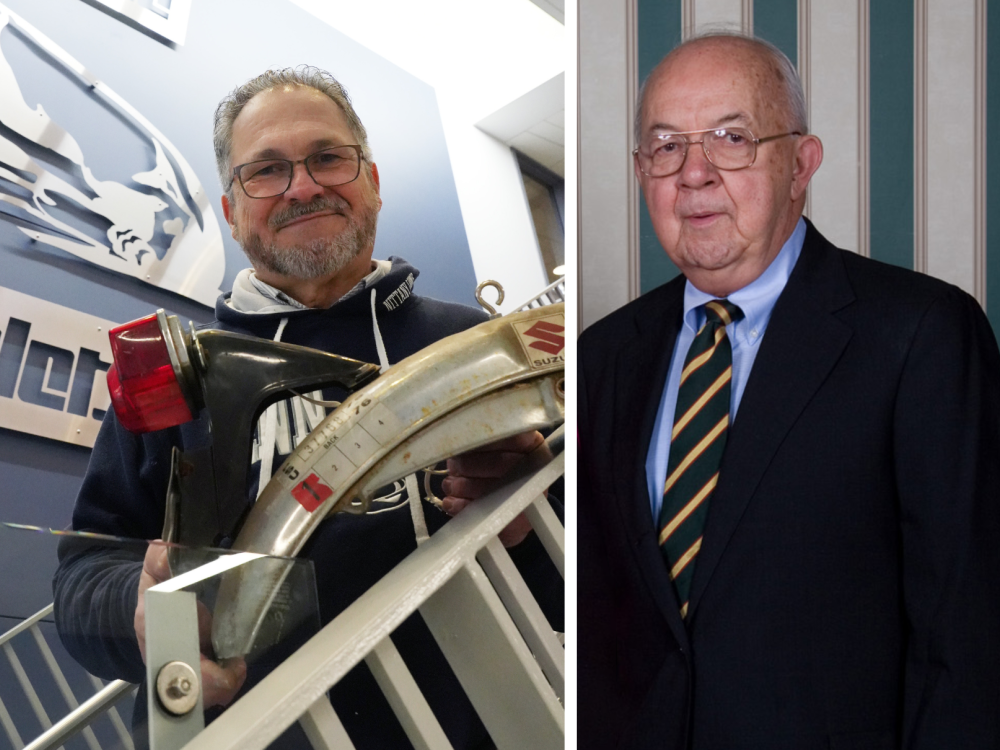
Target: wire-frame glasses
{"x": 663, "y": 154}
{"x": 266, "y": 178}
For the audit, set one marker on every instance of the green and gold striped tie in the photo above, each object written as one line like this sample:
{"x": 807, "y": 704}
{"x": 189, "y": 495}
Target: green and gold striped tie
{"x": 701, "y": 422}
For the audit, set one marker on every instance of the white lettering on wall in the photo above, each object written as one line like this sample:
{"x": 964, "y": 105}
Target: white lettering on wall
{"x": 53, "y": 362}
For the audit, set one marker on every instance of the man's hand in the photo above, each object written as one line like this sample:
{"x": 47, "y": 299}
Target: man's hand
{"x": 219, "y": 682}
{"x": 473, "y": 474}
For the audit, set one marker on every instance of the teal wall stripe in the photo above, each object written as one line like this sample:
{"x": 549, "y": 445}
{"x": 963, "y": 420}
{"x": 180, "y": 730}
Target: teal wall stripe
{"x": 659, "y": 31}
{"x": 993, "y": 169}
{"x": 892, "y": 133}
{"x": 891, "y": 140}
{"x": 777, "y": 22}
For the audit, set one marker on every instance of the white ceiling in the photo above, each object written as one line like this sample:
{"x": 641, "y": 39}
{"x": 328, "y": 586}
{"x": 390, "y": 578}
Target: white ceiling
{"x": 534, "y": 124}
{"x": 495, "y": 64}
{"x": 555, "y": 8}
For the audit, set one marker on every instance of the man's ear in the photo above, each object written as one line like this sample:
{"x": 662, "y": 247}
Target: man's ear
{"x": 808, "y": 157}
{"x": 378, "y": 194}
{"x": 228, "y": 211}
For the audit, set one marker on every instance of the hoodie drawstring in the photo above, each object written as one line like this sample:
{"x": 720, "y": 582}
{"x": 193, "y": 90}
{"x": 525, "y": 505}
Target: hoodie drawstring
{"x": 270, "y": 428}
{"x": 412, "y": 485}
{"x": 383, "y": 358}
{"x": 268, "y": 439}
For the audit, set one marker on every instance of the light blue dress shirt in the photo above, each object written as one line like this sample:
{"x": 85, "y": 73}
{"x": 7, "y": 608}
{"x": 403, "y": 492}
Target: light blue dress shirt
{"x": 757, "y": 301}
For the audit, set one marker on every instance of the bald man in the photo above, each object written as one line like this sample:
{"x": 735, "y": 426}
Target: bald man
{"x": 789, "y": 532}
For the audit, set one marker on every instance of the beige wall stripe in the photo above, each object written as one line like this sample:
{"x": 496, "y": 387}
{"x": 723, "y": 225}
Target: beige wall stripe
{"x": 864, "y": 130}
{"x": 834, "y": 98}
{"x": 802, "y": 43}
{"x": 979, "y": 268}
{"x": 608, "y": 225}
{"x": 687, "y": 18}
{"x": 951, "y": 137}
{"x": 719, "y": 15}
{"x": 920, "y": 136}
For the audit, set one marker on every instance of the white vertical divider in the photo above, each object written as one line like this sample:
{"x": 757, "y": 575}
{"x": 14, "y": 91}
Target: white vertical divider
{"x": 408, "y": 703}
{"x": 608, "y": 194}
{"x": 804, "y": 45}
{"x": 979, "y": 163}
{"x": 714, "y": 15}
{"x": 864, "y": 130}
{"x": 837, "y": 61}
{"x": 322, "y": 727}
{"x": 920, "y": 136}
{"x": 951, "y": 139}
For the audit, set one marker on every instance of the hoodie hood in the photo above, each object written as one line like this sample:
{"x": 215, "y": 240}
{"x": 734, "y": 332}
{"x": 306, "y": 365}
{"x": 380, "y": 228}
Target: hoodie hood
{"x": 251, "y": 295}
{"x": 256, "y": 308}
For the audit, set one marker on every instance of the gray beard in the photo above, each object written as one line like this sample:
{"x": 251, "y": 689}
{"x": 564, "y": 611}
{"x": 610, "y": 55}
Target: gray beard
{"x": 320, "y": 257}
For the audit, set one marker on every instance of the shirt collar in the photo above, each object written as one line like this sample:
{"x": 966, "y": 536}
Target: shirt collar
{"x": 757, "y": 298}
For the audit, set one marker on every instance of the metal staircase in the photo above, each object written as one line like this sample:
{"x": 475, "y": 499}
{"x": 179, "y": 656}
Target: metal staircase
{"x": 79, "y": 718}
{"x": 462, "y": 581}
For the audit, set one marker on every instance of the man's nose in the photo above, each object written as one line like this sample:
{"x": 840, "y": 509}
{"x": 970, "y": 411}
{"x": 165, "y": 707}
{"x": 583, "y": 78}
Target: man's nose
{"x": 303, "y": 187}
{"x": 697, "y": 170}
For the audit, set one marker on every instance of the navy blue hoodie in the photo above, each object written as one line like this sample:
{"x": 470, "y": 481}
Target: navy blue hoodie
{"x": 124, "y": 494}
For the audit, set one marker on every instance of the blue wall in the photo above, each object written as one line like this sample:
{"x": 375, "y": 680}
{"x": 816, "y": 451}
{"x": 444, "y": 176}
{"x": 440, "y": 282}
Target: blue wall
{"x": 177, "y": 90}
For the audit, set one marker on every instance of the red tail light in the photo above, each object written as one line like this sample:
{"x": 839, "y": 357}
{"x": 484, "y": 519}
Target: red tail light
{"x": 143, "y": 381}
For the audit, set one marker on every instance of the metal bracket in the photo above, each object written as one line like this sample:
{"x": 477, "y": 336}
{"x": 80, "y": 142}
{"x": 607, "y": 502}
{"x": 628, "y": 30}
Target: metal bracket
{"x": 172, "y": 649}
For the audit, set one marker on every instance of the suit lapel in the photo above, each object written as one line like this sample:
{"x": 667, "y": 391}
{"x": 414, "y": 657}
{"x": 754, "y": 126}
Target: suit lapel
{"x": 641, "y": 373}
{"x": 785, "y": 376}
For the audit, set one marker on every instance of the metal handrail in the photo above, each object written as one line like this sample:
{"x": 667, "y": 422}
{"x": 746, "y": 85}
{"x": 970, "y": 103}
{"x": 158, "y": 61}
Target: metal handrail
{"x": 80, "y": 717}
{"x": 550, "y": 295}
{"x": 25, "y": 624}
{"x": 445, "y": 580}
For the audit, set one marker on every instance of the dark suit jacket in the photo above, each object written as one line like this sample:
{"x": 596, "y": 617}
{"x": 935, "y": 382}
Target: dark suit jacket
{"x": 847, "y": 594}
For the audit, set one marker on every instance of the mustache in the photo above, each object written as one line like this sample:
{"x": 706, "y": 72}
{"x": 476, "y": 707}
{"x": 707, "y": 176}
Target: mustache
{"x": 298, "y": 210}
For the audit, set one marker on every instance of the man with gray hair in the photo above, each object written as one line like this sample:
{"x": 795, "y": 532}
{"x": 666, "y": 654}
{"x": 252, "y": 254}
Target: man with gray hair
{"x": 789, "y": 485}
{"x": 319, "y": 266}
{"x": 301, "y": 196}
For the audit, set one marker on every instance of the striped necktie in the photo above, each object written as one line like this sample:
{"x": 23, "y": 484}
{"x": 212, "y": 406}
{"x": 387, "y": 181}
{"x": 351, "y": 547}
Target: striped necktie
{"x": 701, "y": 421}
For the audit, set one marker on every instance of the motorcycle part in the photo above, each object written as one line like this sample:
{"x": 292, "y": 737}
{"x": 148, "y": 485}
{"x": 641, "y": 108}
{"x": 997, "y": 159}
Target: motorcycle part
{"x": 498, "y": 379}
{"x": 163, "y": 376}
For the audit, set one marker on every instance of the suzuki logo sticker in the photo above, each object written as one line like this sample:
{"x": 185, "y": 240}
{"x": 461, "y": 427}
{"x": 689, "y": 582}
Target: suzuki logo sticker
{"x": 544, "y": 340}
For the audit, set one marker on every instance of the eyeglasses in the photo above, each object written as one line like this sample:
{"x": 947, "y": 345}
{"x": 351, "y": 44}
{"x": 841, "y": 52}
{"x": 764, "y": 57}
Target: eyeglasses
{"x": 727, "y": 148}
{"x": 266, "y": 178}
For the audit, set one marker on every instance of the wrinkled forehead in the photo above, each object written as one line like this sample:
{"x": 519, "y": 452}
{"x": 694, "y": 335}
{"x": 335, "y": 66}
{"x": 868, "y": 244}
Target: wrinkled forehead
{"x": 286, "y": 120}
{"x": 714, "y": 83}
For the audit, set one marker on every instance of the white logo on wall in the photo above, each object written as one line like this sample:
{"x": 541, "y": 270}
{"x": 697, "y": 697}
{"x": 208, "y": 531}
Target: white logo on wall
{"x": 53, "y": 362}
{"x": 165, "y": 18}
{"x": 166, "y": 235}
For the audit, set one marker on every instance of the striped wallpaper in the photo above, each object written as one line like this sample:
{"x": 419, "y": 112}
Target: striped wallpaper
{"x": 900, "y": 92}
